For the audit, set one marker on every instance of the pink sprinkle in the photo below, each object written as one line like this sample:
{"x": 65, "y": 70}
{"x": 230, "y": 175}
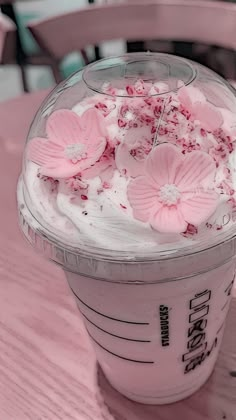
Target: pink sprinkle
{"x": 110, "y": 90}
{"x": 49, "y": 180}
{"x": 122, "y": 206}
{"x": 232, "y": 201}
{"x": 102, "y": 106}
{"x": 191, "y": 230}
{"x": 147, "y": 118}
{"x": 123, "y": 110}
{"x": 185, "y": 113}
{"x": 130, "y": 90}
{"x": 153, "y": 130}
{"x": 84, "y": 197}
{"x": 106, "y": 185}
{"x": 148, "y": 101}
{"x": 121, "y": 123}
{"x": 140, "y": 86}
{"x": 226, "y": 172}
{"x": 228, "y": 190}
{"x": 157, "y": 110}
{"x": 224, "y": 139}
{"x": 162, "y": 131}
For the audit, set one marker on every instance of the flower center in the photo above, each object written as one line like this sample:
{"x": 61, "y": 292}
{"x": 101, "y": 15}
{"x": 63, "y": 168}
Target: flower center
{"x": 75, "y": 152}
{"x": 169, "y": 194}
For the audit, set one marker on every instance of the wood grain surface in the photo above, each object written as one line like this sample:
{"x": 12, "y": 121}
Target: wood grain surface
{"x": 47, "y": 366}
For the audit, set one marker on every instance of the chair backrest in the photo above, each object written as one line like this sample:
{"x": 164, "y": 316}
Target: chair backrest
{"x": 7, "y": 40}
{"x": 205, "y": 22}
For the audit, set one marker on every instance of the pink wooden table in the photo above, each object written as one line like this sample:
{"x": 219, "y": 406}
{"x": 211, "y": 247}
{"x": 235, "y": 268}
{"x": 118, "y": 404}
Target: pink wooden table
{"x": 47, "y": 366}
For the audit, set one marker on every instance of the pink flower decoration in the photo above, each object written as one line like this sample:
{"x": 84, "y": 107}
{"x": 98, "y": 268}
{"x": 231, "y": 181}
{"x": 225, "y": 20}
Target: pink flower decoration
{"x": 132, "y": 153}
{"x": 171, "y": 194}
{"x": 104, "y": 168}
{"x": 73, "y": 143}
{"x": 195, "y": 103}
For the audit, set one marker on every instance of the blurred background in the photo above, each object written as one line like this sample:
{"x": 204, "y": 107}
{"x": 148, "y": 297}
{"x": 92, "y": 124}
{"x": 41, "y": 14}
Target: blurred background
{"x": 24, "y": 67}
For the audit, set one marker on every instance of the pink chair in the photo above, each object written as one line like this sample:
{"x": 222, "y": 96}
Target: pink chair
{"x": 196, "y": 21}
{"x": 9, "y": 48}
{"x": 204, "y": 52}
{"x": 7, "y": 40}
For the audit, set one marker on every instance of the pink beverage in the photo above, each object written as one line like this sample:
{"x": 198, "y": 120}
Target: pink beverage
{"x": 128, "y": 183}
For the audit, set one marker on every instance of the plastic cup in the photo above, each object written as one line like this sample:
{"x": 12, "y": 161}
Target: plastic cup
{"x": 154, "y": 313}
{"x": 156, "y": 343}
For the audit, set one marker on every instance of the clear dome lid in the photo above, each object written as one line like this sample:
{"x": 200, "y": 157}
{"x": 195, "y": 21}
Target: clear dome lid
{"x": 134, "y": 157}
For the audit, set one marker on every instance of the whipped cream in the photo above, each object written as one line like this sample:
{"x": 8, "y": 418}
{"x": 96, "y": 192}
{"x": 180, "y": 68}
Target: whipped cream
{"x": 93, "y": 207}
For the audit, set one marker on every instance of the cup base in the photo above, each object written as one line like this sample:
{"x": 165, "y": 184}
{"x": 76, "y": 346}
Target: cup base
{"x": 162, "y": 399}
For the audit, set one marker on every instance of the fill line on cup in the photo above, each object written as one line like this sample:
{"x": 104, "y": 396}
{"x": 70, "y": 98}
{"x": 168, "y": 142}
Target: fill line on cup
{"x": 114, "y": 335}
{"x": 106, "y": 316}
{"x": 117, "y": 355}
